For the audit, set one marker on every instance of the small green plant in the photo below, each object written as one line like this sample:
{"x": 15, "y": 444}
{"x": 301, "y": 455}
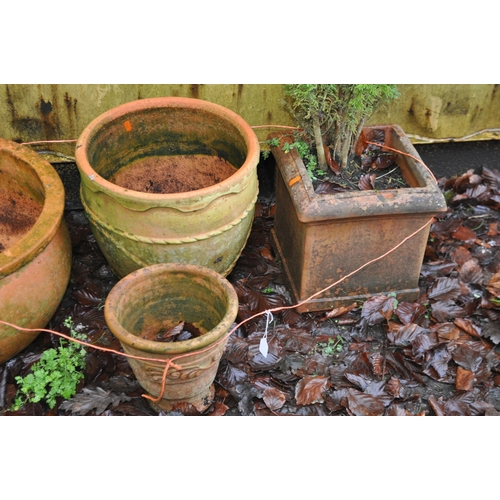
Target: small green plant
{"x": 310, "y": 160}
{"x": 275, "y": 142}
{"x": 331, "y": 347}
{"x": 56, "y": 374}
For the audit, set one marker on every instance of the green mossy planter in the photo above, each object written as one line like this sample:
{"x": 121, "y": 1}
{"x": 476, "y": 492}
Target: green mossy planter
{"x": 35, "y": 248}
{"x": 208, "y": 226}
{"x": 171, "y": 293}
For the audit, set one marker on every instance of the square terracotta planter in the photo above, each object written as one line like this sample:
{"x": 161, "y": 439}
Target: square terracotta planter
{"x": 320, "y": 238}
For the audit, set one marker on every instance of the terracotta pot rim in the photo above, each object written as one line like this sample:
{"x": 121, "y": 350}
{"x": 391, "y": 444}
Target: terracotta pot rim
{"x": 128, "y": 108}
{"x": 310, "y": 206}
{"x": 45, "y": 227}
{"x": 169, "y": 348}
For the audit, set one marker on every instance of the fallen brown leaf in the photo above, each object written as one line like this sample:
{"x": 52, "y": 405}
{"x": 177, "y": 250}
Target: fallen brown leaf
{"x": 310, "y": 389}
{"x": 468, "y": 326}
{"x": 465, "y": 380}
{"x": 367, "y": 182}
{"x": 274, "y": 399}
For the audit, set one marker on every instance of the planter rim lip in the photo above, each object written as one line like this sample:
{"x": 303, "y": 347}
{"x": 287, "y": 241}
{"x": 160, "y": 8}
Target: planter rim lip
{"x": 41, "y": 233}
{"x": 169, "y": 348}
{"x": 312, "y": 207}
{"x": 123, "y": 110}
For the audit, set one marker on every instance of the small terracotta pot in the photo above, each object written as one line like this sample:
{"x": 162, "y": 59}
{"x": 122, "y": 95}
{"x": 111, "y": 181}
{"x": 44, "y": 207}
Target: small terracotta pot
{"x": 171, "y": 293}
{"x": 35, "y": 253}
{"x": 134, "y": 229}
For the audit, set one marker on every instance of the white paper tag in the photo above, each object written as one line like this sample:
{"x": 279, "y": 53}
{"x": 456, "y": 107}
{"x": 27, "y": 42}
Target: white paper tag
{"x": 263, "y": 347}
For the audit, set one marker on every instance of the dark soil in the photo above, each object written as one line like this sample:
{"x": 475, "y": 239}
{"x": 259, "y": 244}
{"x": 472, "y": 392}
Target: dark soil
{"x": 439, "y": 355}
{"x": 68, "y": 172}
{"x": 173, "y": 174}
{"x": 354, "y": 177}
{"x": 376, "y": 169}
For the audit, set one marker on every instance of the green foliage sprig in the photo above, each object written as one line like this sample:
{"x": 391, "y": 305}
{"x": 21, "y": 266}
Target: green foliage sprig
{"x": 334, "y": 114}
{"x": 56, "y": 374}
{"x": 310, "y": 160}
{"x": 333, "y": 346}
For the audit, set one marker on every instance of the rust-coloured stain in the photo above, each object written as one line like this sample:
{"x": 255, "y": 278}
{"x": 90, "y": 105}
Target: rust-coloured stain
{"x": 195, "y": 90}
{"x": 128, "y": 126}
{"x": 25, "y": 127}
{"x": 411, "y": 111}
{"x": 70, "y": 109}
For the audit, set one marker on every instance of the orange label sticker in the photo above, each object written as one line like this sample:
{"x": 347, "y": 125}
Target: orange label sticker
{"x": 291, "y": 182}
{"x": 128, "y": 126}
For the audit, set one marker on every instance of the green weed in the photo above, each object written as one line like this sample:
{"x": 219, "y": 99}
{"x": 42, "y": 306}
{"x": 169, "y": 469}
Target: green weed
{"x": 333, "y": 346}
{"x": 56, "y": 374}
{"x": 309, "y": 159}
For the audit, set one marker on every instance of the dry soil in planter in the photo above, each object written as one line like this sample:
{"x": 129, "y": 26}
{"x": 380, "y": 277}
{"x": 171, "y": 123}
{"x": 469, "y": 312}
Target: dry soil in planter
{"x": 173, "y": 174}
{"x": 17, "y": 215}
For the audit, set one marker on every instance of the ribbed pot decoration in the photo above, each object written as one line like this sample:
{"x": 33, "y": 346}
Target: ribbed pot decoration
{"x": 169, "y": 179}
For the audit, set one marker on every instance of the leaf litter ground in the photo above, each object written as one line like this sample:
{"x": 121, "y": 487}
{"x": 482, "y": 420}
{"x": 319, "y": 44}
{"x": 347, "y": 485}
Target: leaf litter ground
{"x": 439, "y": 355}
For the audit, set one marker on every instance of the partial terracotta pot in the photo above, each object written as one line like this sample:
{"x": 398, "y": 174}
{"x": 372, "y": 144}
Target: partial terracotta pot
{"x": 321, "y": 238}
{"x": 158, "y": 297}
{"x": 35, "y": 248}
{"x": 130, "y": 155}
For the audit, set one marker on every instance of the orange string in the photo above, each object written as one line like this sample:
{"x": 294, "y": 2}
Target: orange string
{"x": 163, "y": 383}
{"x": 276, "y": 126}
{"x": 47, "y": 142}
{"x": 170, "y": 362}
{"x": 403, "y": 153}
{"x": 282, "y": 308}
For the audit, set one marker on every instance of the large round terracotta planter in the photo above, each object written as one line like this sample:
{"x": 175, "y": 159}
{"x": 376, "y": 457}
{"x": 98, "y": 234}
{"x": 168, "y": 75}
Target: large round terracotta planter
{"x": 207, "y": 227}
{"x": 171, "y": 293}
{"x": 35, "y": 248}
